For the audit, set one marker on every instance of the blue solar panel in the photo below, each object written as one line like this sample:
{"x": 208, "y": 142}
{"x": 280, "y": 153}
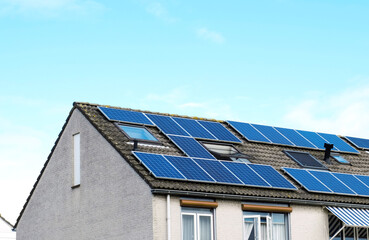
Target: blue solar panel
{"x": 295, "y": 137}
{"x": 273, "y": 135}
{"x": 158, "y": 165}
{"x": 218, "y": 171}
{"x": 248, "y": 131}
{"x": 167, "y": 125}
{"x": 219, "y": 131}
{"x": 314, "y": 138}
{"x": 359, "y": 142}
{"x": 363, "y": 178}
{"x": 194, "y": 128}
{"x": 274, "y": 178}
{"x": 189, "y": 168}
{"x": 308, "y": 181}
{"x": 338, "y": 143}
{"x": 125, "y": 115}
{"x": 331, "y": 182}
{"x": 352, "y": 182}
{"x": 245, "y": 174}
{"x": 191, "y": 147}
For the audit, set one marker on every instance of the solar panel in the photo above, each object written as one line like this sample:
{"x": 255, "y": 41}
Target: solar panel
{"x": 218, "y": 171}
{"x": 338, "y": 143}
{"x": 352, "y": 182}
{"x": 314, "y": 138}
{"x": 121, "y": 115}
{"x": 189, "y": 168}
{"x": 332, "y": 182}
{"x": 359, "y": 142}
{"x": 191, "y": 147}
{"x": 304, "y": 159}
{"x": 219, "y": 131}
{"x": 272, "y": 176}
{"x": 273, "y": 135}
{"x": 245, "y": 174}
{"x": 363, "y": 178}
{"x": 295, "y": 137}
{"x": 308, "y": 181}
{"x": 167, "y": 125}
{"x": 248, "y": 131}
{"x": 158, "y": 165}
{"x": 194, "y": 128}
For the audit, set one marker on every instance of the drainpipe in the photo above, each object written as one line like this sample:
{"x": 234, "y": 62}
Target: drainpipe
{"x": 168, "y": 217}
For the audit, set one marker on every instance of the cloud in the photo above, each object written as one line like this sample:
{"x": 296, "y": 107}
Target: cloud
{"x": 344, "y": 113}
{"x": 50, "y": 8}
{"x": 209, "y": 35}
{"x": 158, "y": 10}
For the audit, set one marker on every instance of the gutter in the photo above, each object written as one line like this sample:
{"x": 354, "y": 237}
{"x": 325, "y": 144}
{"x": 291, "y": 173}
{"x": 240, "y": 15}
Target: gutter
{"x": 256, "y": 198}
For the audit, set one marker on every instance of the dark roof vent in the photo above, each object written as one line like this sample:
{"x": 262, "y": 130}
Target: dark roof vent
{"x": 328, "y": 147}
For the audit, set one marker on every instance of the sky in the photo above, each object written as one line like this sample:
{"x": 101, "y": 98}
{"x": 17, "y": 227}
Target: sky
{"x": 288, "y": 63}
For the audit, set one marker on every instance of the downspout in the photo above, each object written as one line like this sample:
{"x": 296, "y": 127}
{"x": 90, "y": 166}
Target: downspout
{"x": 168, "y": 217}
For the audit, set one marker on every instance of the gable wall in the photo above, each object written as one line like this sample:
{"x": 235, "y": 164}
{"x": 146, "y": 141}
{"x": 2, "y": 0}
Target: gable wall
{"x": 112, "y": 202}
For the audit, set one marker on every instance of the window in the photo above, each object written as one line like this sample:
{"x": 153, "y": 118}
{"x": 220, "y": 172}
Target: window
{"x": 340, "y": 159}
{"x": 265, "y": 226}
{"x": 138, "y": 133}
{"x": 226, "y": 152}
{"x": 305, "y": 159}
{"x": 77, "y": 159}
{"x": 197, "y": 224}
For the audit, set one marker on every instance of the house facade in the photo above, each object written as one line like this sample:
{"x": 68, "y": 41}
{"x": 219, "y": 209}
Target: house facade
{"x": 117, "y": 173}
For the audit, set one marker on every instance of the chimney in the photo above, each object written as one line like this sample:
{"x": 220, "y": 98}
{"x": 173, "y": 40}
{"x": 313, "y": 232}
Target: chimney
{"x": 328, "y": 147}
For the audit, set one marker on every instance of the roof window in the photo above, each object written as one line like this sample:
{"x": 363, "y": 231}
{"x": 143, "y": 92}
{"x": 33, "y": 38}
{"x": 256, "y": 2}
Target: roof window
{"x": 305, "y": 159}
{"x": 340, "y": 159}
{"x": 138, "y": 133}
{"x": 226, "y": 152}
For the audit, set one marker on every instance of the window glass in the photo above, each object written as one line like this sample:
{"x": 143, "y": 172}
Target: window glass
{"x": 188, "y": 225}
{"x": 138, "y": 133}
{"x": 205, "y": 227}
{"x": 340, "y": 159}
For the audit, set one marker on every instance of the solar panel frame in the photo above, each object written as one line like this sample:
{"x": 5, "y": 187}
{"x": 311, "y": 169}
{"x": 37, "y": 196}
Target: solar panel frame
{"x": 307, "y": 180}
{"x": 360, "y": 143}
{"x": 125, "y": 116}
{"x": 338, "y": 143}
{"x": 248, "y": 132}
{"x": 332, "y": 182}
{"x": 190, "y": 174}
{"x": 218, "y": 171}
{"x": 219, "y": 131}
{"x": 273, "y": 135}
{"x": 167, "y": 125}
{"x": 196, "y": 151}
{"x": 272, "y": 176}
{"x": 143, "y": 158}
{"x": 194, "y": 128}
{"x": 246, "y": 172}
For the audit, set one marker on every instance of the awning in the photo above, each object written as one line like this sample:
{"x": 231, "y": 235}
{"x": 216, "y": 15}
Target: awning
{"x": 351, "y": 217}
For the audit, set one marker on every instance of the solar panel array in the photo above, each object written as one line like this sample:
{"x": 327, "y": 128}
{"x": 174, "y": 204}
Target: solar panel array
{"x": 208, "y": 170}
{"x": 330, "y": 182}
{"x": 359, "y": 142}
{"x": 290, "y": 137}
{"x": 121, "y": 115}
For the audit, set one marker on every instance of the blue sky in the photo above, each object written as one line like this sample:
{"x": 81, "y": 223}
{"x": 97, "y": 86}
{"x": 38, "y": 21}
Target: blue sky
{"x": 297, "y": 64}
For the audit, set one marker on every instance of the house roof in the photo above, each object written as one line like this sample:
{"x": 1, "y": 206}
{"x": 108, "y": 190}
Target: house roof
{"x": 262, "y": 153}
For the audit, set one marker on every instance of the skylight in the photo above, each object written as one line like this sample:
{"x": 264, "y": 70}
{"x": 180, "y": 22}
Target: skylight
{"x": 138, "y": 133}
{"x": 305, "y": 159}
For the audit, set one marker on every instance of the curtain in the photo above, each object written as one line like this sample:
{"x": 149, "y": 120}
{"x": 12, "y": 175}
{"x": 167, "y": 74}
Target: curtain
{"x": 205, "y": 227}
{"x": 279, "y": 231}
{"x": 188, "y": 222}
{"x": 249, "y": 230}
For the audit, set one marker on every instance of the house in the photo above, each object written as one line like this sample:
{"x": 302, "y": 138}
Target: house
{"x": 118, "y": 173}
{"x": 6, "y": 227}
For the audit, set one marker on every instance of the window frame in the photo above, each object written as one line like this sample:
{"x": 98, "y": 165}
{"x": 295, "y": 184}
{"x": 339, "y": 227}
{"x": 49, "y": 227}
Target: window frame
{"x": 138, "y": 139}
{"x": 197, "y": 213}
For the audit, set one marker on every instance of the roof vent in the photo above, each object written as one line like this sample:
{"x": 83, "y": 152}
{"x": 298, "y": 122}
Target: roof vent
{"x": 328, "y": 147}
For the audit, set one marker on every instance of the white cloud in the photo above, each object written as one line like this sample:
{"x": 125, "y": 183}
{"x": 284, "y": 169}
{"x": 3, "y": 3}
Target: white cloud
{"x": 48, "y": 7}
{"x": 213, "y": 36}
{"x": 158, "y": 10}
{"x": 344, "y": 113}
